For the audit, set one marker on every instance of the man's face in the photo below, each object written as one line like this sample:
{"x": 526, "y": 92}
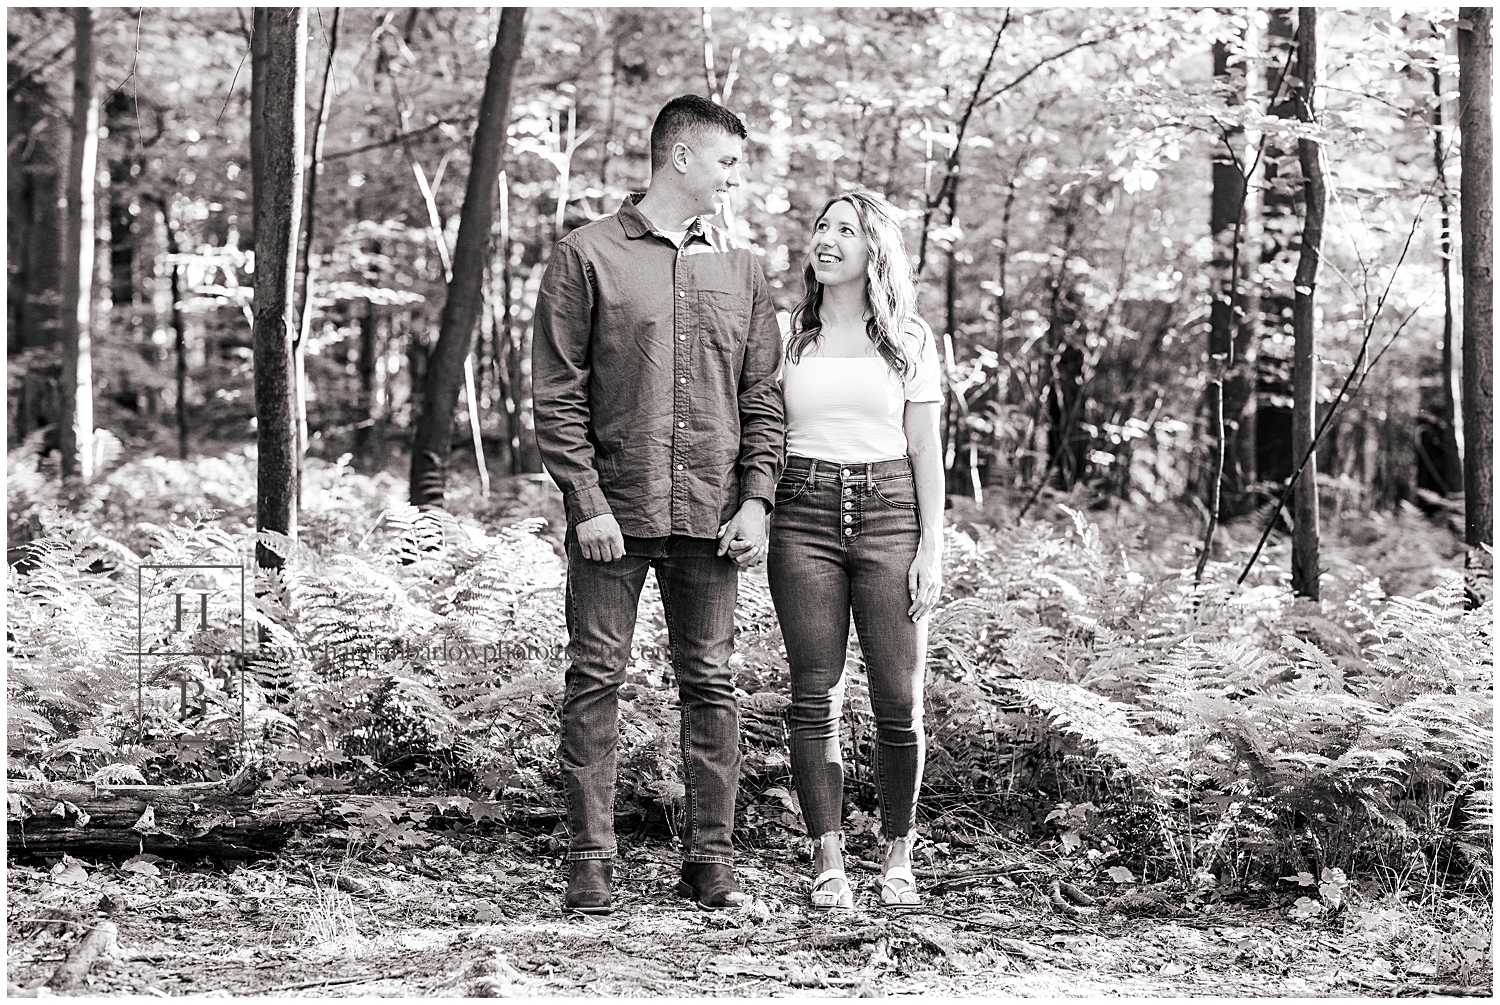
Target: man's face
{"x": 710, "y": 167}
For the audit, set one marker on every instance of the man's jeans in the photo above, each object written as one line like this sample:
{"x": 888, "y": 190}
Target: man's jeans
{"x": 698, "y": 590}
{"x": 843, "y": 537}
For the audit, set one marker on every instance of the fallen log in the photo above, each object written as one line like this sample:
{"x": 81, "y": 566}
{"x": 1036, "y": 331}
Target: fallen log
{"x": 225, "y": 821}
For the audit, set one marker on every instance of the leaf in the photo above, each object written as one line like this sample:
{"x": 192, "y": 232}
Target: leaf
{"x": 69, "y": 873}
{"x": 1120, "y": 874}
{"x": 1301, "y": 879}
{"x": 147, "y": 823}
{"x": 140, "y": 866}
{"x": 1173, "y": 969}
{"x": 1071, "y": 842}
{"x": 115, "y": 774}
{"x": 731, "y": 967}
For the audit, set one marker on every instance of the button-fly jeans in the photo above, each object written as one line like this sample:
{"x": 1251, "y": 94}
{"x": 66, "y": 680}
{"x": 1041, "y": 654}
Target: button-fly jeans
{"x": 698, "y": 591}
{"x": 843, "y": 537}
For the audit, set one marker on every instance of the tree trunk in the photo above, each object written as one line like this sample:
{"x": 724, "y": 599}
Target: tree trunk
{"x": 433, "y": 442}
{"x": 1476, "y": 212}
{"x": 1305, "y": 365}
{"x": 259, "y": 55}
{"x": 76, "y": 432}
{"x": 364, "y": 428}
{"x": 282, "y": 33}
{"x": 1449, "y": 462}
{"x": 180, "y": 339}
{"x": 1232, "y": 326}
{"x": 304, "y": 327}
{"x": 1279, "y": 229}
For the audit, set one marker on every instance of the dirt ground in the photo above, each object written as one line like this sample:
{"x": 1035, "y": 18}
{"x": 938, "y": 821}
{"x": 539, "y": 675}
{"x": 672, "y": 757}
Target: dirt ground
{"x": 486, "y": 922}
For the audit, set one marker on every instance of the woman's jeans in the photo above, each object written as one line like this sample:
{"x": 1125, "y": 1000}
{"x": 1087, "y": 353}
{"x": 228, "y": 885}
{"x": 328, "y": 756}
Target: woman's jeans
{"x": 698, "y": 590}
{"x": 843, "y": 538}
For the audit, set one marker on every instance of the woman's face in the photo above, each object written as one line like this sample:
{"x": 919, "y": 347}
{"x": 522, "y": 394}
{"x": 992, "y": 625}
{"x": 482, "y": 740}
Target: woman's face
{"x": 839, "y": 252}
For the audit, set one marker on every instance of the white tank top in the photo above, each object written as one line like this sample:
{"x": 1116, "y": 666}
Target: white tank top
{"x": 853, "y": 408}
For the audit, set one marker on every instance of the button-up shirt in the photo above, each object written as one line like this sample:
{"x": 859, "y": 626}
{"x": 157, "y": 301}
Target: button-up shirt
{"x": 653, "y": 375}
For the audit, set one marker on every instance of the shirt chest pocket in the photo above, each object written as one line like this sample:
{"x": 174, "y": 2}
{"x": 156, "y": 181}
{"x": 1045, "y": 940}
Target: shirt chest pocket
{"x": 723, "y": 320}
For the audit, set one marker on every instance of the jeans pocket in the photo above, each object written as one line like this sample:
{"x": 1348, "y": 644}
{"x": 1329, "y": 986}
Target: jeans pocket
{"x": 790, "y": 487}
{"x": 724, "y": 320}
{"x": 897, "y": 493}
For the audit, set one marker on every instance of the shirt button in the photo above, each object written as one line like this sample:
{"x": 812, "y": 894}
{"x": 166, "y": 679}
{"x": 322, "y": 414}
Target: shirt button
{"x": 680, "y": 293}
{"x": 682, "y": 338}
{"x": 848, "y": 518}
{"x": 848, "y": 530}
{"x": 681, "y": 466}
{"x": 682, "y": 380}
{"x": 848, "y": 505}
{"x": 848, "y": 492}
{"x": 682, "y": 425}
{"x": 846, "y": 474}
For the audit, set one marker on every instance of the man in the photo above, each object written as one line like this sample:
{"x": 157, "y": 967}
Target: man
{"x": 653, "y": 366}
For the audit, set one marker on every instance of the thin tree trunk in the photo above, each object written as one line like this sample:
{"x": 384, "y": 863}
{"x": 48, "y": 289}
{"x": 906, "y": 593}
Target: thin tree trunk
{"x": 1476, "y": 214}
{"x": 76, "y": 432}
{"x": 1450, "y": 464}
{"x": 366, "y": 367}
{"x": 948, "y": 191}
{"x": 309, "y": 273}
{"x": 180, "y": 339}
{"x": 282, "y": 34}
{"x": 1304, "y": 303}
{"x": 1278, "y": 205}
{"x": 259, "y": 54}
{"x": 433, "y": 442}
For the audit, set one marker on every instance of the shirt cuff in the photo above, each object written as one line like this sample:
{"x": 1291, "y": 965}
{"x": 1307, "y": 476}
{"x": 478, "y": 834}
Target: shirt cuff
{"x": 585, "y": 504}
{"x": 758, "y": 486}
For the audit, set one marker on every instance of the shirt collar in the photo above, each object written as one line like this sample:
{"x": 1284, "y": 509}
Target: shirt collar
{"x": 636, "y": 225}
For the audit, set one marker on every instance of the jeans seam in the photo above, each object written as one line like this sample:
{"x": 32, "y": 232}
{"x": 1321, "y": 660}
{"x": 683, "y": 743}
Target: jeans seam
{"x": 591, "y": 856}
{"x": 685, "y": 731}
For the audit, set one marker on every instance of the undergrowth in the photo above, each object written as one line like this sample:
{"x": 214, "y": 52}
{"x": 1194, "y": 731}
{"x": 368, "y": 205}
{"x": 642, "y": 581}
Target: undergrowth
{"x": 1082, "y": 690}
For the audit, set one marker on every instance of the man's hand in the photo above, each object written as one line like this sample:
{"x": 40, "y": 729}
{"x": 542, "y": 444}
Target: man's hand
{"x": 600, "y": 539}
{"x": 744, "y": 536}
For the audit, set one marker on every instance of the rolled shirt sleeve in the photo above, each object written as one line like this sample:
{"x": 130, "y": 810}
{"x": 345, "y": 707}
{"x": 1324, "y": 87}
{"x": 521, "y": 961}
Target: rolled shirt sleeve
{"x": 560, "y": 369}
{"x": 762, "y": 421}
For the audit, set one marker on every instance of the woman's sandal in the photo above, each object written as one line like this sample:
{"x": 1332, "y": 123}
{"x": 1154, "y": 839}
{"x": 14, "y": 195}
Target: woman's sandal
{"x": 900, "y": 896}
{"x": 828, "y": 900}
{"x": 893, "y": 896}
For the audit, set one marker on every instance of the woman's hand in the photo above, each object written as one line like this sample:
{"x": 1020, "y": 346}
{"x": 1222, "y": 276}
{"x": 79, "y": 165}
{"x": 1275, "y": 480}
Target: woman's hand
{"x": 924, "y": 581}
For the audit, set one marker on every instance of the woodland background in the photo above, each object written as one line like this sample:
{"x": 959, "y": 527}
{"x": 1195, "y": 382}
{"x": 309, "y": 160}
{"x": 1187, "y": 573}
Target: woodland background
{"x": 1108, "y": 209}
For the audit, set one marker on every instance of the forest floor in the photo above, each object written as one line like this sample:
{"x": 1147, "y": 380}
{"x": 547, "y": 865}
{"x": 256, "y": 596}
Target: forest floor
{"x": 486, "y": 922}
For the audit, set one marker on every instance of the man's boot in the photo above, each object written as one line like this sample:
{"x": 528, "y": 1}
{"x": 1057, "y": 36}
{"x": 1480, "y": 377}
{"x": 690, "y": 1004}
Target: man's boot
{"x": 589, "y": 883}
{"x": 712, "y": 885}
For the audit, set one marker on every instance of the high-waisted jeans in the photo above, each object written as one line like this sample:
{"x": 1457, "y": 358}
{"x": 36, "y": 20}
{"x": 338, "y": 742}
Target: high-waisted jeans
{"x": 843, "y": 537}
{"x": 698, "y": 590}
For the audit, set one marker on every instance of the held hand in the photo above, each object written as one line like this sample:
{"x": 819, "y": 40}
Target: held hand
{"x": 600, "y": 539}
{"x": 743, "y": 538}
{"x": 924, "y": 582}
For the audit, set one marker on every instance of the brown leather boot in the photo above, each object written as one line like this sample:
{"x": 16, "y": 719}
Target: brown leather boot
{"x": 589, "y": 883}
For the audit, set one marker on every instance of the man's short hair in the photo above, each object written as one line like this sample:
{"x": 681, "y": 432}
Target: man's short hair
{"x": 691, "y": 116}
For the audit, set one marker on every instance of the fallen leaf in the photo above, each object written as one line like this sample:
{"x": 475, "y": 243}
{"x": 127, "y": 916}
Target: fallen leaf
{"x": 140, "y": 867}
{"x": 1173, "y": 969}
{"x": 1120, "y": 874}
{"x": 69, "y": 874}
{"x": 731, "y": 967}
{"x": 147, "y": 823}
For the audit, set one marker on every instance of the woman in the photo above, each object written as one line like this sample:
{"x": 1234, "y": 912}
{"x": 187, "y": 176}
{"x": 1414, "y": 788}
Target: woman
{"x": 857, "y": 527}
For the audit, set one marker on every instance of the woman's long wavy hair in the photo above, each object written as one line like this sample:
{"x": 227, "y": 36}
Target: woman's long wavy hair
{"x": 889, "y": 290}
